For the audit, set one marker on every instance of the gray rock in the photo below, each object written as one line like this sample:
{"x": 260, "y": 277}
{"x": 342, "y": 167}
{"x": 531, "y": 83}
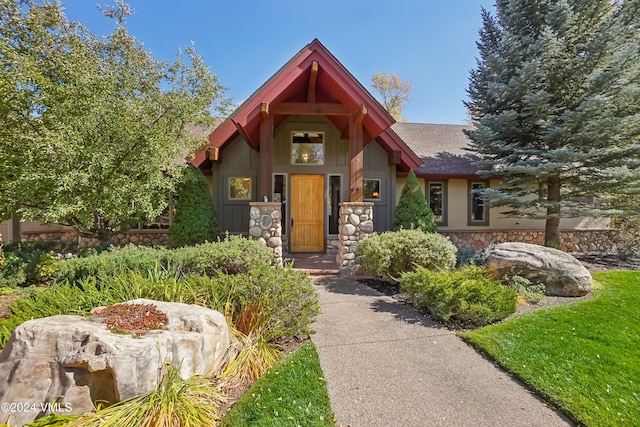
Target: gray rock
{"x": 366, "y": 226}
{"x": 562, "y": 274}
{"x": 83, "y": 361}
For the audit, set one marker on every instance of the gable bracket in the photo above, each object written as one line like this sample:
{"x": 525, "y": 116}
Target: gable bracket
{"x": 311, "y": 88}
{"x": 244, "y": 133}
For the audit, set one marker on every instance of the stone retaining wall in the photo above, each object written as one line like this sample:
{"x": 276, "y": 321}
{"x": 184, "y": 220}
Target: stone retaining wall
{"x": 588, "y": 240}
{"x": 137, "y": 237}
{"x": 354, "y": 224}
{"x": 265, "y": 226}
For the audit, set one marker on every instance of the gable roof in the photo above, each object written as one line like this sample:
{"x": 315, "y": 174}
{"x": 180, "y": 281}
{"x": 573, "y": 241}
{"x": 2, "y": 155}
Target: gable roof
{"x": 333, "y": 84}
{"x": 441, "y": 149}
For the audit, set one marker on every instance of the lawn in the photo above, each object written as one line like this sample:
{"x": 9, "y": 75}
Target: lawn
{"x": 583, "y": 357}
{"x": 292, "y": 393}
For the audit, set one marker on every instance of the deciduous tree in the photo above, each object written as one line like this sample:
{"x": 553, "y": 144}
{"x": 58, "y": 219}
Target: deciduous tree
{"x": 393, "y": 91}
{"x": 555, "y": 100}
{"x": 92, "y": 130}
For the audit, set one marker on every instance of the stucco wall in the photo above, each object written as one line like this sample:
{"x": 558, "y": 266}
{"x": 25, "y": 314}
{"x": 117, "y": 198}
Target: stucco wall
{"x": 457, "y": 212}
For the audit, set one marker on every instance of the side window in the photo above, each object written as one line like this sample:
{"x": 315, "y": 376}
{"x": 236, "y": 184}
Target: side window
{"x": 371, "y": 189}
{"x": 478, "y": 206}
{"x": 437, "y": 198}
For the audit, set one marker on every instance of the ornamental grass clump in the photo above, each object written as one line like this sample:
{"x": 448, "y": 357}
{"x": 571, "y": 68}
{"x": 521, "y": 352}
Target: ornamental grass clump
{"x": 466, "y": 296}
{"x": 395, "y": 252}
{"x": 176, "y": 402}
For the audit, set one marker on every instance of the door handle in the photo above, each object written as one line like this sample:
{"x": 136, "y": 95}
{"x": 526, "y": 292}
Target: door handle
{"x": 291, "y": 222}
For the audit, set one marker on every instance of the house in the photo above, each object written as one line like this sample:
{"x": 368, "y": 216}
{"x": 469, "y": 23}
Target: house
{"x": 312, "y": 137}
{"x": 312, "y": 154}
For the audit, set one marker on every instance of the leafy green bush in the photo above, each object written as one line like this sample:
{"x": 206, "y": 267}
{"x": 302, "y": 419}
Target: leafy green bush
{"x": 467, "y": 295}
{"x": 392, "y": 253}
{"x": 30, "y": 262}
{"x": 628, "y": 238}
{"x": 195, "y": 220}
{"x": 412, "y": 210}
{"x": 235, "y": 254}
{"x": 232, "y": 255}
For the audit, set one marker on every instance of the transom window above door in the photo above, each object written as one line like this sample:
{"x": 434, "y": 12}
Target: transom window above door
{"x": 307, "y": 148}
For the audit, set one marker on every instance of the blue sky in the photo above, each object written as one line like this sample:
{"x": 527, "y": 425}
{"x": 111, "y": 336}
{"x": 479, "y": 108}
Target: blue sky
{"x": 430, "y": 43}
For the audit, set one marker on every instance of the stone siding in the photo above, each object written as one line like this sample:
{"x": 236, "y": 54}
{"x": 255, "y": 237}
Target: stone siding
{"x": 137, "y": 237}
{"x": 333, "y": 244}
{"x": 589, "y": 240}
{"x": 265, "y": 226}
{"x": 354, "y": 224}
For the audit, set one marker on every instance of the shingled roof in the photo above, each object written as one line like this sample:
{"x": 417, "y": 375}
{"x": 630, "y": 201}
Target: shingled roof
{"x": 440, "y": 147}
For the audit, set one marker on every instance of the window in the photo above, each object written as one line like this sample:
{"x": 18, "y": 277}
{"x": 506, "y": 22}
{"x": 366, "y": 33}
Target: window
{"x": 478, "y": 206}
{"x": 437, "y": 201}
{"x": 335, "y": 184}
{"x": 239, "y": 188}
{"x": 279, "y": 194}
{"x": 307, "y": 148}
{"x": 371, "y": 189}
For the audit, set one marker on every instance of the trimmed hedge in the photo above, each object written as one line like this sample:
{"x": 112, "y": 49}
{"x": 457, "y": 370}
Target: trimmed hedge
{"x": 467, "y": 295}
{"x": 392, "y": 253}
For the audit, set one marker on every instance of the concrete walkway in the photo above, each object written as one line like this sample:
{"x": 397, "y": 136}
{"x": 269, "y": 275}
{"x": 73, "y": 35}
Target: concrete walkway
{"x": 387, "y": 365}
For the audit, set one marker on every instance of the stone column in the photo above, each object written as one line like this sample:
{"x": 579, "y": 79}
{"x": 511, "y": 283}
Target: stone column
{"x": 265, "y": 226}
{"x": 354, "y": 224}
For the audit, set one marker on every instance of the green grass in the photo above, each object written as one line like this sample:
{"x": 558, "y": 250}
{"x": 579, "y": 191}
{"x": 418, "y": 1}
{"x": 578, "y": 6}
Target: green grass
{"x": 583, "y": 357}
{"x": 292, "y": 393}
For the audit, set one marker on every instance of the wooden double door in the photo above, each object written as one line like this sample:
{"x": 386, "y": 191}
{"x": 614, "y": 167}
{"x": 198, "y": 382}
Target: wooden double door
{"x": 306, "y": 226}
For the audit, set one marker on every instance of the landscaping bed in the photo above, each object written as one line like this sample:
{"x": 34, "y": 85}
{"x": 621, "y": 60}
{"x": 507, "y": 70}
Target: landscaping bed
{"x": 269, "y": 310}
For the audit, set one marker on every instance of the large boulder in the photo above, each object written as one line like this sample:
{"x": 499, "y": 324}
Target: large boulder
{"x": 561, "y": 273}
{"x": 83, "y": 361}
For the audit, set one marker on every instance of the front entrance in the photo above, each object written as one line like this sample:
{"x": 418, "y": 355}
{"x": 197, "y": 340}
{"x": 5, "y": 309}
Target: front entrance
{"x": 306, "y": 232}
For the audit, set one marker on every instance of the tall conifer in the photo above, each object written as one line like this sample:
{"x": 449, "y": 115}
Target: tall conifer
{"x": 555, "y": 100}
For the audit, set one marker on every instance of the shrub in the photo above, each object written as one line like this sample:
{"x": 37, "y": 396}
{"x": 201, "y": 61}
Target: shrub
{"x": 628, "y": 238}
{"x": 467, "y": 295}
{"x": 285, "y": 296}
{"x": 233, "y": 255}
{"x": 412, "y": 210}
{"x": 30, "y": 262}
{"x": 392, "y": 253}
{"x": 467, "y": 256}
{"x": 195, "y": 220}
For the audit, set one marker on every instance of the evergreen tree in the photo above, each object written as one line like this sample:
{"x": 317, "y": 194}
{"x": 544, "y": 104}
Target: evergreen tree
{"x": 412, "y": 211}
{"x": 195, "y": 220}
{"x": 555, "y": 100}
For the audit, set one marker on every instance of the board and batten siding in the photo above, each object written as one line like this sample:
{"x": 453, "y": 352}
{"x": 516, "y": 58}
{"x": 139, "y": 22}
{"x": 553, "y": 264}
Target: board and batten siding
{"x": 376, "y": 166}
{"x": 239, "y": 159}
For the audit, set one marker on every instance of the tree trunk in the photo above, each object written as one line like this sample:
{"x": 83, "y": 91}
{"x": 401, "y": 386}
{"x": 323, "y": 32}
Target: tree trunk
{"x": 552, "y": 225}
